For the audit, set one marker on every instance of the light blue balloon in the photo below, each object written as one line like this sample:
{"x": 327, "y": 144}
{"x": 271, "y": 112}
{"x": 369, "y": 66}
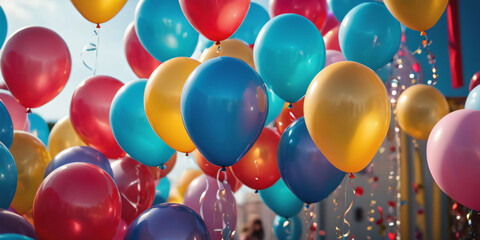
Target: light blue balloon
{"x": 275, "y": 106}
{"x": 288, "y": 54}
{"x": 162, "y": 191}
{"x": 224, "y": 106}
{"x": 292, "y": 231}
{"x": 473, "y": 99}
{"x": 163, "y": 29}
{"x": 385, "y": 72}
{"x": 203, "y": 43}
{"x": 131, "y": 128}
{"x": 256, "y": 17}
{"x": 8, "y": 177}
{"x": 14, "y": 236}
{"x": 340, "y": 8}
{"x": 39, "y": 127}
{"x": 6, "y": 126}
{"x": 281, "y": 200}
{"x": 370, "y": 35}
{"x": 3, "y": 27}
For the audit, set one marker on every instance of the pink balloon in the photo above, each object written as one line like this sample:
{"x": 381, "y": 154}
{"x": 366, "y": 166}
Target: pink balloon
{"x": 140, "y": 61}
{"x": 333, "y": 56}
{"x": 313, "y": 10}
{"x": 329, "y": 24}
{"x": 453, "y": 156}
{"x": 18, "y": 113}
{"x": 212, "y": 217}
{"x": 121, "y": 230}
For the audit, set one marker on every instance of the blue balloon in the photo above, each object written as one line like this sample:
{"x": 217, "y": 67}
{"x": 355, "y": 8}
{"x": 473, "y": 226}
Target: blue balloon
{"x": 3, "y": 27}
{"x": 163, "y": 29}
{"x": 340, "y": 8}
{"x": 39, "y": 127}
{"x": 6, "y": 126}
{"x": 79, "y": 154}
{"x": 224, "y": 106}
{"x": 13, "y": 236}
{"x": 256, "y": 17}
{"x": 305, "y": 170}
{"x": 385, "y": 72}
{"x": 281, "y": 200}
{"x": 292, "y": 231}
{"x": 275, "y": 106}
{"x": 288, "y": 54}
{"x": 168, "y": 221}
{"x": 162, "y": 191}
{"x": 473, "y": 99}
{"x": 370, "y": 35}
{"x": 8, "y": 177}
{"x": 131, "y": 128}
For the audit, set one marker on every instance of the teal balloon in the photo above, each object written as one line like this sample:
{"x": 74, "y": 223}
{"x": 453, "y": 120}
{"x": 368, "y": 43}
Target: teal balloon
{"x": 370, "y": 35}
{"x": 224, "y": 107}
{"x": 131, "y": 128}
{"x": 3, "y": 27}
{"x": 281, "y": 200}
{"x": 8, "y": 177}
{"x": 39, "y": 127}
{"x": 163, "y": 29}
{"x": 288, "y": 54}
{"x": 340, "y": 8}
{"x": 275, "y": 106}
{"x": 256, "y": 17}
{"x": 6, "y": 126}
{"x": 473, "y": 99}
{"x": 162, "y": 191}
{"x": 385, "y": 72}
{"x": 292, "y": 231}
{"x": 14, "y": 236}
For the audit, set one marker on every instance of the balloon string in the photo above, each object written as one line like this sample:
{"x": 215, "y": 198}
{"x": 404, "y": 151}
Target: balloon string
{"x": 425, "y": 45}
{"x": 92, "y": 47}
{"x": 287, "y": 227}
{"x": 345, "y": 231}
{"x": 227, "y": 233}
{"x": 469, "y": 220}
{"x": 202, "y": 200}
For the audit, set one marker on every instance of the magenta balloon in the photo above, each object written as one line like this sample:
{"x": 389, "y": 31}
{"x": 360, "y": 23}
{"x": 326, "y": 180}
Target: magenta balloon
{"x": 333, "y": 56}
{"x": 453, "y": 156}
{"x": 212, "y": 217}
{"x": 17, "y": 112}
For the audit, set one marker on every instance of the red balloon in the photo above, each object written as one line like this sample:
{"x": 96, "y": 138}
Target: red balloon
{"x": 77, "y": 201}
{"x": 89, "y": 113}
{"x": 288, "y": 115}
{"x": 160, "y": 173}
{"x": 36, "y": 65}
{"x": 474, "y": 81}
{"x": 212, "y": 170}
{"x": 313, "y": 10}
{"x": 258, "y": 169}
{"x": 136, "y": 186}
{"x": 331, "y": 40}
{"x": 141, "y": 62}
{"x": 330, "y": 23}
{"x": 121, "y": 231}
{"x": 17, "y": 112}
{"x": 217, "y": 20}
{"x": 3, "y": 86}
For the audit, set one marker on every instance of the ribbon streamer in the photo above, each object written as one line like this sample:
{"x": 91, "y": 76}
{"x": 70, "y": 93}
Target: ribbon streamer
{"x": 92, "y": 47}
{"x": 454, "y": 44}
{"x": 344, "y": 233}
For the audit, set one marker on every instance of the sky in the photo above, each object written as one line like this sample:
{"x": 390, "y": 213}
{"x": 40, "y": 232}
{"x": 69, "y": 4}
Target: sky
{"x": 62, "y": 17}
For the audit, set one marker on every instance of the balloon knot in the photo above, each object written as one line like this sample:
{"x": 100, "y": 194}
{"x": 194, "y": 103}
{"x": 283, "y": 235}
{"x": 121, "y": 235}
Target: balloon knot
{"x": 98, "y": 25}
{"x": 290, "y": 105}
{"x": 186, "y": 155}
{"x": 28, "y": 110}
{"x": 307, "y": 206}
{"x": 256, "y": 191}
{"x": 423, "y": 33}
{"x": 223, "y": 169}
{"x": 217, "y": 43}
{"x": 162, "y": 167}
{"x": 351, "y": 175}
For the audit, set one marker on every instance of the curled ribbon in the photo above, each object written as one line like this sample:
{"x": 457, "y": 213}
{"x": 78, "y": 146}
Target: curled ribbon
{"x": 91, "y": 47}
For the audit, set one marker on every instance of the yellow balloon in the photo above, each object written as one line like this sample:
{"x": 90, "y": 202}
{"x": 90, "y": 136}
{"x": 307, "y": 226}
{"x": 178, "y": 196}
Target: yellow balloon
{"x": 419, "y": 15}
{"x": 185, "y": 179}
{"x": 229, "y": 48}
{"x": 419, "y": 108}
{"x": 98, "y": 11}
{"x": 174, "y": 197}
{"x": 63, "y": 136}
{"x": 31, "y": 158}
{"x": 347, "y": 113}
{"x": 162, "y": 102}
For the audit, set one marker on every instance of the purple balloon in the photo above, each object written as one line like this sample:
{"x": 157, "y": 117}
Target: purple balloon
{"x": 11, "y": 222}
{"x": 168, "y": 221}
{"x": 211, "y": 216}
{"x": 333, "y": 56}
{"x": 79, "y": 154}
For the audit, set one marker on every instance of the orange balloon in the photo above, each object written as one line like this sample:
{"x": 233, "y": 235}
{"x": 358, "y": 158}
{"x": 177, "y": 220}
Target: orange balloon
{"x": 288, "y": 115}
{"x": 229, "y": 48}
{"x": 212, "y": 170}
{"x": 185, "y": 179}
{"x": 161, "y": 173}
{"x": 98, "y": 11}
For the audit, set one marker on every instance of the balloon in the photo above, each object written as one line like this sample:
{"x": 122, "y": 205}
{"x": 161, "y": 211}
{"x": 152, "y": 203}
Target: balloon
{"x": 77, "y": 201}
{"x": 89, "y": 114}
{"x": 349, "y": 130}
{"x": 79, "y": 154}
{"x": 159, "y": 173}
{"x": 162, "y": 191}
{"x": 292, "y": 230}
{"x": 331, "y": 39}
{"x": 140, "y": 61}
{"x": 333, "y": 56}
{"x": 38, "y": 127}
{"x": 288, "y": 115}
{"x": 185, "y": 179}
{"x": 419, "y": 108}
{"x": 136, "y": 186}
{"x": 474, "y": 81}
{"x": 131, "y": 129}
{"x": 330, "y": 23}
{"x": 313, "y": 10}
{"x": 168, "y": 221}
{"x": 163, "y": 29}
{"x": 174, "y": 197}
{"x": 417, "y": 15}
{"x": 121, "y": 230}
{"x": 162, "y": 102}
{"x": 224, "y": 107}
{"x": 8, "y": 177}
{"x": 98, "y": 11}
{"x": 303, "y": 167}
{"x": 36, "y": 64}
{"x": 256, "y": 17}
{"x": 18, "y": 113}
{"x": 229, "y": 48}
{"x": 258, "y": 169}
{"x": 6, "y": 126}
{"x": 31, "y": 158}
{"x": 14, "y": 223}
{"x": 289, "y": 51}
{"x": 275, "y": 106}
{"x": 370, "y": 35}
{"x": 63, "y": 136}
{"x": 13, "y": 236}
{"x": 217, "y": 20}
{"x": 3, "y": 27}
{"x": 212, "y": 171}
{"x": 281, "y": 200}
{"x": 340, "y": 8}
{"x": 201, "y": 196}
{"x": 203, "y": 43}
{"x": 473, "y": 99}
{"x": 452, "y": 156}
